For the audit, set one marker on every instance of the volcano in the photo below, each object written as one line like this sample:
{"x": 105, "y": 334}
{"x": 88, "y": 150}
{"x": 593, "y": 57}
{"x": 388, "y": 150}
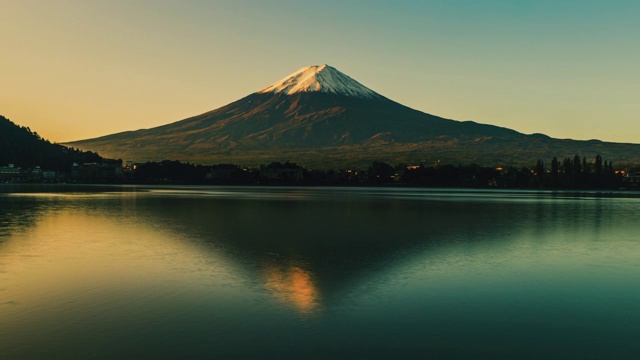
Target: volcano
{"x": 319, "y": 116}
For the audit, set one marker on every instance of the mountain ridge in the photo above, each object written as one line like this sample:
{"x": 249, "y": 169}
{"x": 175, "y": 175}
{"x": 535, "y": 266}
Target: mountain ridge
{"x": 311, "y": 117}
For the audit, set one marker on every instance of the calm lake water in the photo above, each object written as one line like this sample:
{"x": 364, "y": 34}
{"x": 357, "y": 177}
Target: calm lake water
{"x": 317, "y": 273}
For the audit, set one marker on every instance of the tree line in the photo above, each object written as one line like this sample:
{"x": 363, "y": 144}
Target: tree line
{"x": 570, "y": 173}
{"x": 577, "y": 173}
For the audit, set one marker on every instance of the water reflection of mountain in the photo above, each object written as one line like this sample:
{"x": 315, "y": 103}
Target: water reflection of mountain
{"x": 311, "y": 250}
{"x": 313, "y": 247}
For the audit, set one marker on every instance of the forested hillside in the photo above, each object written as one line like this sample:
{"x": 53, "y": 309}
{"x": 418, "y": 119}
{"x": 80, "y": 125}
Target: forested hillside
{"x": 25, "y": 148}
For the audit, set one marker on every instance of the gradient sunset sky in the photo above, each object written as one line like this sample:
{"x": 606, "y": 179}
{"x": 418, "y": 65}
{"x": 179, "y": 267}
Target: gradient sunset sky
{"x": 73, "y": 70}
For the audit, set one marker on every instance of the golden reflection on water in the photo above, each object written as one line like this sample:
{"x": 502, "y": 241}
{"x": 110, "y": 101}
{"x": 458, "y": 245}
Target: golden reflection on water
{"x": 94, "y": 252}
{"x": 293, "y": 285}
{"x": 85, "y": 257}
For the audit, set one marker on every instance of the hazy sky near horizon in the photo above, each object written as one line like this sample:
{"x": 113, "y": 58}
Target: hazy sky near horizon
{"x": 72, "y": 69}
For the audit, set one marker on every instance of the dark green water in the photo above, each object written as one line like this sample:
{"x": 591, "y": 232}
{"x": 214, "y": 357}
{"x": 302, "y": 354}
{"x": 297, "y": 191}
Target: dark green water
{"x": 227, "y": 273}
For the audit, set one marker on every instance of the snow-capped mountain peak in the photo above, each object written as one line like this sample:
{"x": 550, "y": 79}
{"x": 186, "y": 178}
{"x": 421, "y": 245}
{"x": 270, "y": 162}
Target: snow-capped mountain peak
{"x": 320, "y": 78}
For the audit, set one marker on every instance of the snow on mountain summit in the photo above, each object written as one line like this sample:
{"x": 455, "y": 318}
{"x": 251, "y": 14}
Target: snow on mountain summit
{"x": 320, "y": 78}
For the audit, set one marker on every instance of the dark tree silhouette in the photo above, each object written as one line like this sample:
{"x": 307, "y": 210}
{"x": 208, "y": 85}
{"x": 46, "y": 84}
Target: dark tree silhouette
{"x": 25, "y": 148}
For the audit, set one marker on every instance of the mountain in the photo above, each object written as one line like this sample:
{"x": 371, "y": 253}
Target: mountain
{"x": 320, "y": 117}
{"x": 24, "y": 148}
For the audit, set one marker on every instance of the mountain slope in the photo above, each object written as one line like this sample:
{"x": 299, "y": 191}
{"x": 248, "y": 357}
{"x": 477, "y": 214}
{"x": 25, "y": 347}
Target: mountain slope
{"x": 320, "y": 116}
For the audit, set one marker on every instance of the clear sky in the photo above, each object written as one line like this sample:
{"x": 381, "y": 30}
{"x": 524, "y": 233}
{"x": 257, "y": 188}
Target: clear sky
{"x": 72, "y": 70}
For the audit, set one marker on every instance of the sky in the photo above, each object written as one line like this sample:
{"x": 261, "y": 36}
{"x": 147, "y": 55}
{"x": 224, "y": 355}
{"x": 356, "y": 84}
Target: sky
{"x": 74, "y": 70}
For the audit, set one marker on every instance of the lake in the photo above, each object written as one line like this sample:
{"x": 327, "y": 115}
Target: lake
{"x": 100, "y": 272}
